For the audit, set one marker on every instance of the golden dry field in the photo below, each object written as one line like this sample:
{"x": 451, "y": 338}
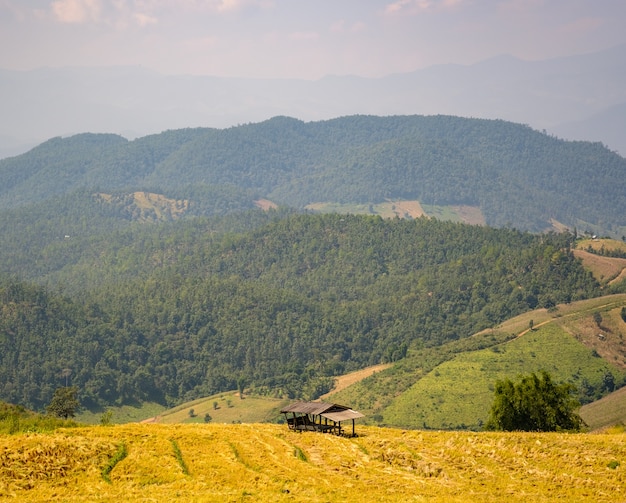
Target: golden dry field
{"x": 252, "y": 462}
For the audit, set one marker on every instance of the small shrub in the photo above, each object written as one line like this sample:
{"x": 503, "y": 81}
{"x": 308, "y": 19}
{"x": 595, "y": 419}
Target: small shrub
{"x": 105, "y": 418}
{"x": 613, "y": 464}
{"x": 117, "y": 457}
{"x": 597, "y": 317}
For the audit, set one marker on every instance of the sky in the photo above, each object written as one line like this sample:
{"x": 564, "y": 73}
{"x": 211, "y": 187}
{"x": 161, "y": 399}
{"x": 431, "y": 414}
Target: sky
{"x": 303, "y": 39}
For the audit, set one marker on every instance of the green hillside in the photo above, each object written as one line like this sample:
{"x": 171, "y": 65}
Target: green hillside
{"x": 454, "y": 389}
{"x": 459, "y": 388}
{"x": 172, "y": 313}
{"x": 459, "y": 393}
{"x": 606, "y": 412}
{"x": 145, "y": 272}
{"x": 510, "y": 174}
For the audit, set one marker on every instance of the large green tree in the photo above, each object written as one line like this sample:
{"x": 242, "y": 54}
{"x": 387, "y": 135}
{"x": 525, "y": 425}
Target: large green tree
{"x": 535, "y": 403}
{"x": 64, "y": 402}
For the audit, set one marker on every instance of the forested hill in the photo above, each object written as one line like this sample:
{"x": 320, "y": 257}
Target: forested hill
{"x": 183, "y": 312}
{"x": 516, "y": 176}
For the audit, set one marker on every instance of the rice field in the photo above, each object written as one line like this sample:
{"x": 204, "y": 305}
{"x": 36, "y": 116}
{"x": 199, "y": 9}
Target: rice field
{"x": 264, "y": 462}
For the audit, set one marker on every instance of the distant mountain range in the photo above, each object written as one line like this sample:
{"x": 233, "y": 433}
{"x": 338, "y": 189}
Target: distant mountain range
{"x": 507, "y": 174}
{"x": 580, "y": 97}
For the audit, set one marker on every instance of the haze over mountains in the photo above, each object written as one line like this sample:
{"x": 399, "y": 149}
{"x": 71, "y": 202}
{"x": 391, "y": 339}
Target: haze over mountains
{"x": 581, "y": 97}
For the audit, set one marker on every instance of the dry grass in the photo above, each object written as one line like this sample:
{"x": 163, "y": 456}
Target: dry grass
{"x": 342, "y": 382}
{"x": 598, "y": 244}
{"x": 604, "y": 269}
{"x": 224, "y": 408}
{"x": 269, "y": 463}
{"x": 471, "y": 215}
{"x": 405, "y": 209}
{"x": 608, "y": 339}
{"x": 265, "y": 204}
{"x": 606, "y": 412}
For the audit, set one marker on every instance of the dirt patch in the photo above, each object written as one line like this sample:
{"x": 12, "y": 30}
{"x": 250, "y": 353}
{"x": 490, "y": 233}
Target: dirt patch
{"x": 265, "y": 204}
{"x": 342, "y": 382}
{"x": 403, "y": 209}
{"x": 470, "y": 214}
{"x": 608, "y": 338}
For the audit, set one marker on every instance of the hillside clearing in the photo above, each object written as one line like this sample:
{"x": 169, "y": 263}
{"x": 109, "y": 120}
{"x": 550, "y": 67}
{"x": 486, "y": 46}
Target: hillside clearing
{"x": 147, "y": 206}
{"x": 224, "y": 408}
{"x": 253, "y": 462}
{"x": 604, "y": 269}
{"x": 342, "y": 382}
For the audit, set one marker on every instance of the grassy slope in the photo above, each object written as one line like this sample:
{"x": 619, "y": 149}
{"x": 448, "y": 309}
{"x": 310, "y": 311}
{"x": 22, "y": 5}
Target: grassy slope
{"x": 230, "y": 409}
{"x": 269, "y": 463}
{"x": 458, "y": 392}
{"x": 606, "y": 412}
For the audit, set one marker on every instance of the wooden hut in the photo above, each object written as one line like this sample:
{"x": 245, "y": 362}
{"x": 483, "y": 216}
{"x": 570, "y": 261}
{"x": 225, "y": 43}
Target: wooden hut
{"x": 319, "y": 416}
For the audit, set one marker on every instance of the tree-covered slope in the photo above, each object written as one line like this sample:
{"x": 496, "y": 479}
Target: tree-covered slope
{"x": 44, "y": 238}
{"x": 517, "y": 176}
{"x": 184, "y": 311}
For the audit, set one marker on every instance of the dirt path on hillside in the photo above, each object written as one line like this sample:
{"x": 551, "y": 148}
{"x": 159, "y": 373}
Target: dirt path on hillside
{"x": 342, "y": 382}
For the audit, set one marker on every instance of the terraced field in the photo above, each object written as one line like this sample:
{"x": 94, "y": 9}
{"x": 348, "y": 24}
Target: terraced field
{"x": 252, "y": 462}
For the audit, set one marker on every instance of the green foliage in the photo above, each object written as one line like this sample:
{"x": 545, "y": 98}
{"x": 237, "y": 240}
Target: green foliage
{"x": 64, "y": 402}
{"x": 179, "y": 456}
{"x": 105, "y": 419}
{"x": 300, "y": 454}
{"x": 181, "y": 312}
{"x": 119, "y": 456}
{"x": 16, "y": 419}
{"x": 519, "y": 177}
{"x": 597, "y": 317}
{"x": 535, "y": 403}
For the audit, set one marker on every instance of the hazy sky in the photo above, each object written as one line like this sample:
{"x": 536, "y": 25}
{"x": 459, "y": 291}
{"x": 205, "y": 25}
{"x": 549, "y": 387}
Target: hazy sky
{"x": 299, "y": 38}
